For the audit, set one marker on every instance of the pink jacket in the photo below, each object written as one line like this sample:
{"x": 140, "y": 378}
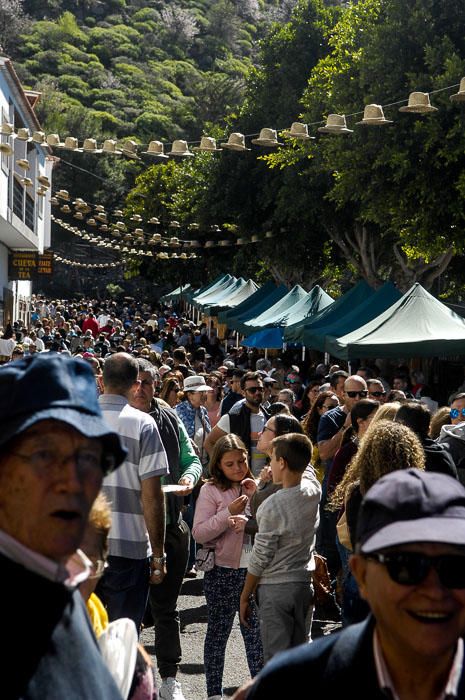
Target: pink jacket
{"x": 211, "y": 525}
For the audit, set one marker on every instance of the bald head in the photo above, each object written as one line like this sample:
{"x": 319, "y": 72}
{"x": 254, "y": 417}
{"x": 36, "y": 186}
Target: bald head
{"x": 120, "y": 373}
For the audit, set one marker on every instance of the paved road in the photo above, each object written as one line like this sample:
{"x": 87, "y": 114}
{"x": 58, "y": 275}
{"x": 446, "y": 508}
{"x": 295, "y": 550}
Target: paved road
{"x": 193, "y": 613}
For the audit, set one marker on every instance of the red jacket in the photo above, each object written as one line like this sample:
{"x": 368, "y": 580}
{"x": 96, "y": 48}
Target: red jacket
{"x": 91, "y": 323}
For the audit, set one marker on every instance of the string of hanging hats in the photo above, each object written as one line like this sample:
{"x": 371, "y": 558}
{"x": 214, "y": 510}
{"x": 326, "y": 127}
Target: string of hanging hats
{"x": 180, "y": 149}
{"x": 86, "y": 266}
{"x": 138, "y": 231}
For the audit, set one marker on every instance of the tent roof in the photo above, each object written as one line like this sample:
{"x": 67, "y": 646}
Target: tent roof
{"x": 211, "y": 286}
{"x": 368, "y": 309}
{"x": 417, "y": 325}
{"x": 242, "y": 293}
{"x": 176, "y": 293}
{"x": 315, "y": 301}
{"x": 249, "y": 303}
{"x": 210, "y": 294}
{"x": 270, "y": 338}
{"x": 333, "y": 312}
{"x": 223, "y": 294}
{"x": 238, "y": 322}
{"x": 275, "y": 314}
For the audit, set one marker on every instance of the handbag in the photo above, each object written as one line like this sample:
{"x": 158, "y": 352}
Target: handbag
{"x": 205, "y": 559}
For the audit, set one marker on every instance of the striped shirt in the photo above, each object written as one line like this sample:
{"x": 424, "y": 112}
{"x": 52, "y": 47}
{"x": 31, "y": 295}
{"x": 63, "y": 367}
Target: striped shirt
{"x": 146, "y": 458}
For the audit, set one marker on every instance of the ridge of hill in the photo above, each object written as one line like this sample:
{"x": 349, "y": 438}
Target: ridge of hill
{"x": 137, "y": 68}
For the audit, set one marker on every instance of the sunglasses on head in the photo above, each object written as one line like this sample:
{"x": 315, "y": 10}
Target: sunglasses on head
{"x": 455, "y": 413}
{"x": 353, "y": 394}
{"x": 411, "y": 568}
{"x": 255, "y": 389}
{"x": 377, "y": 393}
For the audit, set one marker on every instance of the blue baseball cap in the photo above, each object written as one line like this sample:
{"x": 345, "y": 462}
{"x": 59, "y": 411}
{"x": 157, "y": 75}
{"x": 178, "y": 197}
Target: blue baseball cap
{"x": 411, "y": 505}
{"x": 52, "y": 386}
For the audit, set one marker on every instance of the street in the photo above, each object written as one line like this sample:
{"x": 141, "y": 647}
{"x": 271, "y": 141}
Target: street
{"x": 193, "y": 614}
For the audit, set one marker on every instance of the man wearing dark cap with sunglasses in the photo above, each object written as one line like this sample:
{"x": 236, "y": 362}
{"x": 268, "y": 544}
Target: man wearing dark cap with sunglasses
{"x": 410, "y": 568}
{"x": 55, "y": 451}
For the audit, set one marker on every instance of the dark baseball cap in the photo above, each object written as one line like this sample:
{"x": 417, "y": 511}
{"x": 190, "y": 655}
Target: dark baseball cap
{"x": 52, "y": 386}
{"x": 411, "y": 505}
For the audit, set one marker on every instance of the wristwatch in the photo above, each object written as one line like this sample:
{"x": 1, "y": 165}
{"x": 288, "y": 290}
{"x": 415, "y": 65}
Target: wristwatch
{"x": 158, "y": 560}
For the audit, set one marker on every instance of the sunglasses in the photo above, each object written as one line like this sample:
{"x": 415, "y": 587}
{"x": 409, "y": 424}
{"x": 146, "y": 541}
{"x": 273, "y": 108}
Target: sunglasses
{"x": 255, "y": 389}
{"x": 411, "y": 568}
{"x": 377, "y": 393}
{"x": 455, "y": 413}
{"x": 352, "y": 394}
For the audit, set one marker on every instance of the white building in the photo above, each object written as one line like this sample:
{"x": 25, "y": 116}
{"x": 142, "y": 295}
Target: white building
{"x": 24, "y": 188}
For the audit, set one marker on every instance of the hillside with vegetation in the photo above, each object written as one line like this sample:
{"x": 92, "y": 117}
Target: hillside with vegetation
{"x": 144, "y": 69}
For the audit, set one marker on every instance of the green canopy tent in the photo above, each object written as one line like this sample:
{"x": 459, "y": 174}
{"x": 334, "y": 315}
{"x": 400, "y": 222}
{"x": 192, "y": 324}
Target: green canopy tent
{"x": 206, "y": 296}
{"x": 417, "y": 325}
{"x": 222, "y": 295}
{"x": 333, "y": 312}
{"x": 176, "y": 294}
{"x": 274, "y": 315}
{"x": 315, "y": 301}
{"x": 362, "y": 313}
{"x": 238, "y": 323}
{"x": 243, "y": 292}
{"x": 211, "y": 286}
{"x": 244, "y": 306}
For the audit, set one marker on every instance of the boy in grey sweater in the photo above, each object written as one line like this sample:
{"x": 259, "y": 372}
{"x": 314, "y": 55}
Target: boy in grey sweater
{"x": 282, "y": 555}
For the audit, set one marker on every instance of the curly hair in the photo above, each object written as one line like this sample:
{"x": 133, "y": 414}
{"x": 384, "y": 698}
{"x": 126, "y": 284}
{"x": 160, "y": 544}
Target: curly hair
{"x": 386, "y": 446}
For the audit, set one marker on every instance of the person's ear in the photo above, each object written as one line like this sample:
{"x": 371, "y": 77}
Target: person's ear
{"x": 358, "y": 567}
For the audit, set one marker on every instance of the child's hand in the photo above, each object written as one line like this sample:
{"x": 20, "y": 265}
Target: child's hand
{"x": 265, "y": 475}
{"x": 249, "y": 487}
{"x": 237, "y": 523}
{"x": 238, "y": 505}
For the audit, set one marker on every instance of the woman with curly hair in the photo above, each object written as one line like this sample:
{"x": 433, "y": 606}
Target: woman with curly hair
{"x": 386, "y": 447}
{"x": 325, "y": 402}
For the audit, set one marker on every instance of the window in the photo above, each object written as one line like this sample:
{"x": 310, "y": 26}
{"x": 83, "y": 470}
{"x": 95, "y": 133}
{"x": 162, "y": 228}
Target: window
{"x": 18, "y": 199}
{"x": 29, "y": 218}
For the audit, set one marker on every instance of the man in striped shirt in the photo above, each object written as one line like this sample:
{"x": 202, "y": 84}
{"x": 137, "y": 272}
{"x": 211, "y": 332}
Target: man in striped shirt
{"x": 136, "y": 541}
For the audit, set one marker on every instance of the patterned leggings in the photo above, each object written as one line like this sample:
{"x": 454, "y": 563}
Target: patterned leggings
{"x": 222, "y": 588}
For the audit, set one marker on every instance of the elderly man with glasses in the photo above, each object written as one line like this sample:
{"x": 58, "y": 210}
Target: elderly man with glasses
{"x": 55, "y": 450}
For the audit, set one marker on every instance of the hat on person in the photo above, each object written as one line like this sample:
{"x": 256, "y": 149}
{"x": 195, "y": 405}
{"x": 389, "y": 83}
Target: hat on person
{"x": 163, "y": 369}
{"x": 269, "y": 380}
{"x": 196, "y": 383}
{"x": 411, "y": 505}
{"x": 48, "y": 386}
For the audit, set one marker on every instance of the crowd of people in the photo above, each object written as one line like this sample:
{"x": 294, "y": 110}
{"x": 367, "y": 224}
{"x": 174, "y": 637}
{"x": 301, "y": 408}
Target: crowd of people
{"x": 207, "y": 457}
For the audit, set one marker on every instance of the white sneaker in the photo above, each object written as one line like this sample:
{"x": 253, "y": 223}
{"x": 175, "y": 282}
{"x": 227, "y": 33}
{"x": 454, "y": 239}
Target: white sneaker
{"x": 170, "y": 689}
{"x": 215, "y": 697}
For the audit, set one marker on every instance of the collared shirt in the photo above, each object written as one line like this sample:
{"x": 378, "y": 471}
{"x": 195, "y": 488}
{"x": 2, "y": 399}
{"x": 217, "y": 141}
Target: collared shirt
{"x": 75, "y": 571}
{"x": 146, "y": 458}
{"x": 386, "y": 683}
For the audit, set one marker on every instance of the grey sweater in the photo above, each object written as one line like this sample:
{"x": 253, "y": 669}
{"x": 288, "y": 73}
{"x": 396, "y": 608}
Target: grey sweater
{"x": 287, "y": 522}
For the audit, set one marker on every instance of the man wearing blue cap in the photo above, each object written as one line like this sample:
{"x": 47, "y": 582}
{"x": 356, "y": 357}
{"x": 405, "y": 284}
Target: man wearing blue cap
{"x": 55, "y": 450}
{"x": 410, "y": 567}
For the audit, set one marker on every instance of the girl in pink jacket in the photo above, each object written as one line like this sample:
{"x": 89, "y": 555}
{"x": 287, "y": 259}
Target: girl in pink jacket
{"x": 219, "y": 523}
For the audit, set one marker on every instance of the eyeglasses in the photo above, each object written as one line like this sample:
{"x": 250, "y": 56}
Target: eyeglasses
{"x": 255, "y": 389}
{"x": 47, "y": 460}
{"x": 411, "y": 568}
{"x": 270, "y": 429}
{"x": 377, "y": 393}
{"x": 353, "y": 394}
{"x": 455, "y": 413}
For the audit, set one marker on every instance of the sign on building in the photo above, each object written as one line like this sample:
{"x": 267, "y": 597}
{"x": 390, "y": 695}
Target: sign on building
{"x": 29, "y": 265}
